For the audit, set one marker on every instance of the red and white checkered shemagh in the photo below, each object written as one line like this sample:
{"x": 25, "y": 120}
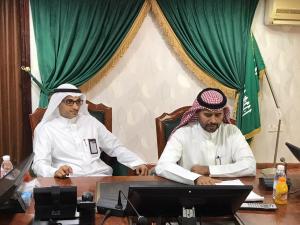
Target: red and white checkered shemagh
{"x": 211, "y": 97}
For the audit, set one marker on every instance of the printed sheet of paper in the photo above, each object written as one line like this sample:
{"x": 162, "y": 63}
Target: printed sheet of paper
{"x": 252, "y": 197}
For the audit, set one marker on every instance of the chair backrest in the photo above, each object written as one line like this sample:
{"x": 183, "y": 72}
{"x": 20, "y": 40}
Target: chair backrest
{"x": 102, "y": 113}
{"x": 165, "y": 124}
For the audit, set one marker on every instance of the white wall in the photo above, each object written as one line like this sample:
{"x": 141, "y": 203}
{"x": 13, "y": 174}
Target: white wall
{"x": 150, "y": 80}
{"x": 280, "y": 47}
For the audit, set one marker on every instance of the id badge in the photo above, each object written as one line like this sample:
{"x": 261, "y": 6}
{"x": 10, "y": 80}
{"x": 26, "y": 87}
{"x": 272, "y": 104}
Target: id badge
{"x": 93, "y": 146}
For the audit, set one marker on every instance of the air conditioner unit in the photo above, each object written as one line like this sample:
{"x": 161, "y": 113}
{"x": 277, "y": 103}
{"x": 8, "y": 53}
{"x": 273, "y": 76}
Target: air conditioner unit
{"x": 282, "y": 12}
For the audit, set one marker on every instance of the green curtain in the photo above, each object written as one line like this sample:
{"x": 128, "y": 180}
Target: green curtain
{"x": 76, "y": 38}
{"x": 216, "y": 35}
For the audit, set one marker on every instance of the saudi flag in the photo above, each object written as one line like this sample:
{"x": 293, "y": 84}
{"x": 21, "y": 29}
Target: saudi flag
{"x": 248, "y": 119}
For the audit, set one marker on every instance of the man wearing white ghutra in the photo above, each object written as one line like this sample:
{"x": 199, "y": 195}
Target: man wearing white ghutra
{"x": 206, "y": 145}
{"x": 68, "y": 141}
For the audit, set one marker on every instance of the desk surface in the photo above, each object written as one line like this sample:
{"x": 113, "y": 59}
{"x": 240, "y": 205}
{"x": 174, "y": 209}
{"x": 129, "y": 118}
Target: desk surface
{"x": 286, "y": 214}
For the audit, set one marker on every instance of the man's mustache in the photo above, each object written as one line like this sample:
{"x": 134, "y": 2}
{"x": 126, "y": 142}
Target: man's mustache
{"x": 213, "y": 124}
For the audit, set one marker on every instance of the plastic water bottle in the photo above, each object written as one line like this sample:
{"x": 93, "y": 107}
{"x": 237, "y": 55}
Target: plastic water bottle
{"x": 281, "y": 194}
{"x": 279, "y": 173}
{"x": 6, "y": 165}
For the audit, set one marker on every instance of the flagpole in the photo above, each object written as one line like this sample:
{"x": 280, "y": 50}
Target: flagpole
{"x": 272, "y": 90}
{"x": 277, "y": 141}
{"x": 272, "y": 170}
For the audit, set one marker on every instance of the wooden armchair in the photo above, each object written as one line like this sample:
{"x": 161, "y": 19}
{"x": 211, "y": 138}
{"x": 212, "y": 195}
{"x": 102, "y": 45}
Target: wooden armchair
{"x": 102, "y": 113}
{"x": 165, "y": 124}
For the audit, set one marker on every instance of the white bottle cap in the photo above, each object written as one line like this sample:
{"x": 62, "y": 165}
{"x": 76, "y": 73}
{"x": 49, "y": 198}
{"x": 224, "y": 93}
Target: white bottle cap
{"x": 6, "y": 157}
{"x": 280, "y": 167}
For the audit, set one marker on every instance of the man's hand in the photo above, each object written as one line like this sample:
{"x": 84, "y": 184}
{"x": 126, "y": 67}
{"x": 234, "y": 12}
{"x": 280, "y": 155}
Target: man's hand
{"x": 202, "y": 170}
{"x": 63, "y": 171}
{"x": 141, "y": 170}
{"x": 203, "y": 180}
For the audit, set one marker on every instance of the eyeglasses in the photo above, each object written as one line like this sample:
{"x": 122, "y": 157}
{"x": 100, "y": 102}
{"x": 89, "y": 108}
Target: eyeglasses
{"x": 70, "y": 102}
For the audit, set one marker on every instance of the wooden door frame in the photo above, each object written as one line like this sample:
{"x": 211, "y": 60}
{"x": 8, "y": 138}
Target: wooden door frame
{"x": 25, "y": 79}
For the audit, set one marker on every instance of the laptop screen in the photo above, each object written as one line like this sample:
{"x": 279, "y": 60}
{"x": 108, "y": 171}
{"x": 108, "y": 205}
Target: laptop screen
{"x": 294, "y": 149}
{"x": 9, "y": 185}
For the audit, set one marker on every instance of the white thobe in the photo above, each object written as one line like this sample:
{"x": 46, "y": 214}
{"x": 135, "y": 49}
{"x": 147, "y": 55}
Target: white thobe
{"x": 225, "y": 152}
{"x": 78, "y": 143}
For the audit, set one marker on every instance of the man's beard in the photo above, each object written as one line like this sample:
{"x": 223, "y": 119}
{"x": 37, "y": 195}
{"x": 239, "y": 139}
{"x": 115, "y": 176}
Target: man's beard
{"x": 211, "y": 127}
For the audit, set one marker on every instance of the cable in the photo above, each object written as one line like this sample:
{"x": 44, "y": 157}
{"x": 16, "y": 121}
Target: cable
{"x": 53, "y": 222}
{"x": 240, "y": 221}
{"x": 106, "y": 215}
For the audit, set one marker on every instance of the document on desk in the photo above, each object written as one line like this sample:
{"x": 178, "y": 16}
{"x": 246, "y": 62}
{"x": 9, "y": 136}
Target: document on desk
{"x": 252, "y": 197}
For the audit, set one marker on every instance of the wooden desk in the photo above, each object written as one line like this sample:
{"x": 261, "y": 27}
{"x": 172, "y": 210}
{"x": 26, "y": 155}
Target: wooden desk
{"x": 285, "y": 215}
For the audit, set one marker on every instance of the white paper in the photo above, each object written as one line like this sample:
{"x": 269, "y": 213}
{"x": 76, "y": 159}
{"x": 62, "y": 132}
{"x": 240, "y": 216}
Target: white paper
{"x": 181, "y": 172}
{"x": 252, "y": 197}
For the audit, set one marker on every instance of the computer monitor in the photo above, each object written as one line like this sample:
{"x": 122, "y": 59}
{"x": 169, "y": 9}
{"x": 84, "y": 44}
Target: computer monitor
{"x": 10, "y": 199}
{"x": 295, "y": 150}
{"x": 209, "y": 201}
{"x": 168, "y": 200}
